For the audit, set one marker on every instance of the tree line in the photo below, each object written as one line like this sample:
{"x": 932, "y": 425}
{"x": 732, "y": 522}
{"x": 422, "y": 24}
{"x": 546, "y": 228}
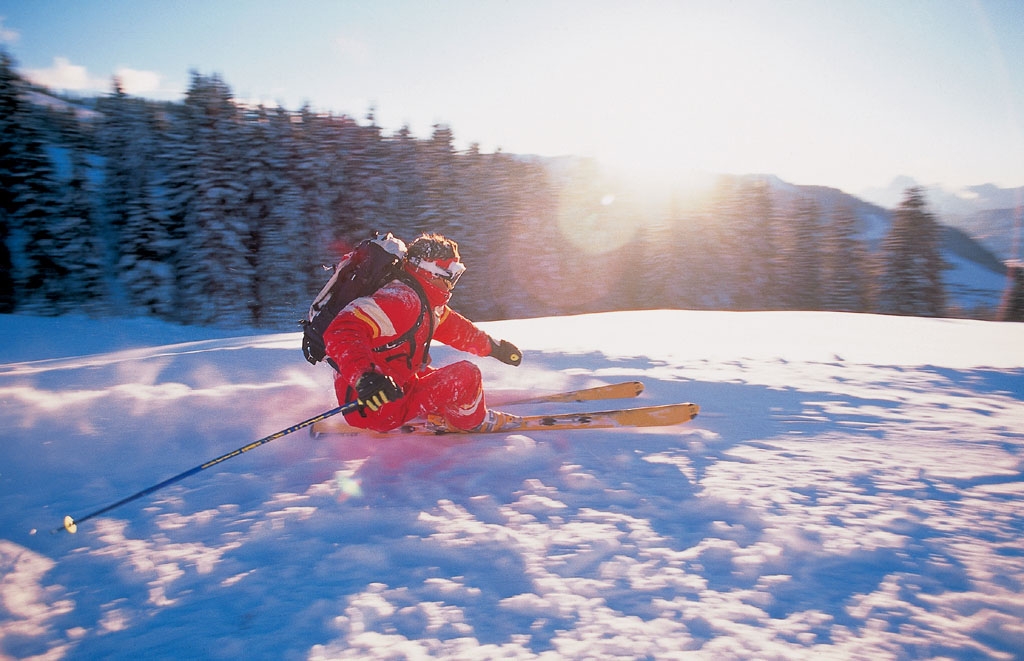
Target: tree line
{"x": 205, "y": 211}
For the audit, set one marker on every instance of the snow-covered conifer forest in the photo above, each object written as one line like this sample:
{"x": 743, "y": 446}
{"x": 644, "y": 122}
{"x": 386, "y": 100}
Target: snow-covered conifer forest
{"x": 207, "y": 212}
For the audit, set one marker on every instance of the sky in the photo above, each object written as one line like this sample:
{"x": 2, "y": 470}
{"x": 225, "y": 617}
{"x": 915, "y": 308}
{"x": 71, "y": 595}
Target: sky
{"x": 845, "y": 93}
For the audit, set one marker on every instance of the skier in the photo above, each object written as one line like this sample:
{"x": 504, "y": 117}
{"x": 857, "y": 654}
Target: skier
{"x": 380, "y": 344}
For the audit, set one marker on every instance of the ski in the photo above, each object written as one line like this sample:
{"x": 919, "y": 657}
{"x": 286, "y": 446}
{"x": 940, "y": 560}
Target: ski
{"x": 624, "y": 390}
{"x": 642, "y": 416}
{"x": 621, "y": 390}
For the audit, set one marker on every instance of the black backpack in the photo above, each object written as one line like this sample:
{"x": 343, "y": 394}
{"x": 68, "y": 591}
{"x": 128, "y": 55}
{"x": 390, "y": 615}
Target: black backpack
{"x": 371, "y": 265}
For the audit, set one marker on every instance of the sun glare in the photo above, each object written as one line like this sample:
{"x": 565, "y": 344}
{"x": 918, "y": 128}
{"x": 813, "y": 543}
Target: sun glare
{"x": 658, "y": 101}
{"x": 669, "y": 104}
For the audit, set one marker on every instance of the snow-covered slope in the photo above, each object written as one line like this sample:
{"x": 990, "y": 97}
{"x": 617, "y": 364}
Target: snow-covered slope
{"x": 851, "y": 490}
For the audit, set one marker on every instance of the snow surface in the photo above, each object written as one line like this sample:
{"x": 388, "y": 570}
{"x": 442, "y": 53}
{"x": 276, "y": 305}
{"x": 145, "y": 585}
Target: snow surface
{"x": 970, "y": 285}
{"x": 851, "y": 490}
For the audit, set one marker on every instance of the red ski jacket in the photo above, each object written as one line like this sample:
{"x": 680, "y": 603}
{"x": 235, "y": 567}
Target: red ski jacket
{"x": 373, "y": 332}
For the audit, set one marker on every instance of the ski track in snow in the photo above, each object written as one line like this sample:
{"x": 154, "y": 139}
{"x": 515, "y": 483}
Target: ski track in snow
{"x": 851, "y": 491}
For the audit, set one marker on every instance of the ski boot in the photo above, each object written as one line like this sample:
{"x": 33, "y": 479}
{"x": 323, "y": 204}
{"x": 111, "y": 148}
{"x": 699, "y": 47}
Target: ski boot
{"x": 497, "y": 421}
{"x": 493, "y": 421}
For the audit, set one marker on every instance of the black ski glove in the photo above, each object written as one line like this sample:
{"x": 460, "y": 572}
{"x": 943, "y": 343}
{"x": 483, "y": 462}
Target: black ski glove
{"x": 313, "y": 348}
{"x": 374, "y": 390}
{"x": 506, "y": 352}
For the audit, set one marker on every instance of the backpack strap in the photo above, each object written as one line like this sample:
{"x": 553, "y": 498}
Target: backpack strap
{"x": 409, "y": 337}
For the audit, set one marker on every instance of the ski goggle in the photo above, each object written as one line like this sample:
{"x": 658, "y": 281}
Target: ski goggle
{"x": 447, "y": 272}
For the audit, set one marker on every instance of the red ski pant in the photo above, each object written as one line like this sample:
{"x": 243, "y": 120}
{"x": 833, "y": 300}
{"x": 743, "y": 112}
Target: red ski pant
{"x": 454, "y": 391}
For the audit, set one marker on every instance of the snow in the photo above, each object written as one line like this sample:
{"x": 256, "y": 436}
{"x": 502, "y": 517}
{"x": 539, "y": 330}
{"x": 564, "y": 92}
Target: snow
{"x": 971, "y": 285}
{"x": 850, "y": 490}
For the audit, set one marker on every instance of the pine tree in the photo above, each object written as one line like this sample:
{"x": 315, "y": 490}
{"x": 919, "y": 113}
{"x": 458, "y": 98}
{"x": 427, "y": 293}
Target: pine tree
{"x": 173, "y": 193}
{"x": 142, "y": 249}
{"x": 438, "y": 210}
{"x": 120, "y": 183}
{"x": 38, "y": 218}
{"x": 77, "y": 244}
{"x": 339, "y": 138}
{"x": 512, "y": 286}
{"x": 30, "y": 202}
{"x": 217, "y": 274}
{"x": 10, "y": 106}
{"x": 481, "y": 211}
{"x": 766, "y": 255}
{"x": 130, "y": 152}
{"x": 845, "y": 264}
{"x": 276, "y": 247}
{"x": 402, "y": 178}
{"x": 147, "y": 257}
{"x": 1011, "y": 307}
{"x": 366, "y": 191}
{"x": 322, "y": 197}
{"x": 657, "y": 242}
{"x": 801, "y": 288}
{"x": 746, "y": 228}
{"x": 910, "y": 278}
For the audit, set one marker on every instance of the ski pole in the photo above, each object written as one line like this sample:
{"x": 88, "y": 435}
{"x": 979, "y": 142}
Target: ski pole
{"x": 71, "y": 524}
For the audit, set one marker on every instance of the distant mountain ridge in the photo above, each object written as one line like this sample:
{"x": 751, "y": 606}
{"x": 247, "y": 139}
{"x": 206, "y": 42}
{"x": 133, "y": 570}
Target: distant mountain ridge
{"x": 989, "y": 214}
{"x": 977, "y": 274}
{"x": 875, "y": 219}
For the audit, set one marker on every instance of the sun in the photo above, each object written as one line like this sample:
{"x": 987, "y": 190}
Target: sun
{"x": 664, "y": 101}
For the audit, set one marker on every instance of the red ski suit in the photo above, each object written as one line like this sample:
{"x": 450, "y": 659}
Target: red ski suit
{"x": 368, "y": 335}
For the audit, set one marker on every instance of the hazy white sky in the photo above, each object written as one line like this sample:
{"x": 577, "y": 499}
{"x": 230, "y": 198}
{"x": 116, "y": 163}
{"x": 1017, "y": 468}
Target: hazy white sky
{"x": 845, "y": 93}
